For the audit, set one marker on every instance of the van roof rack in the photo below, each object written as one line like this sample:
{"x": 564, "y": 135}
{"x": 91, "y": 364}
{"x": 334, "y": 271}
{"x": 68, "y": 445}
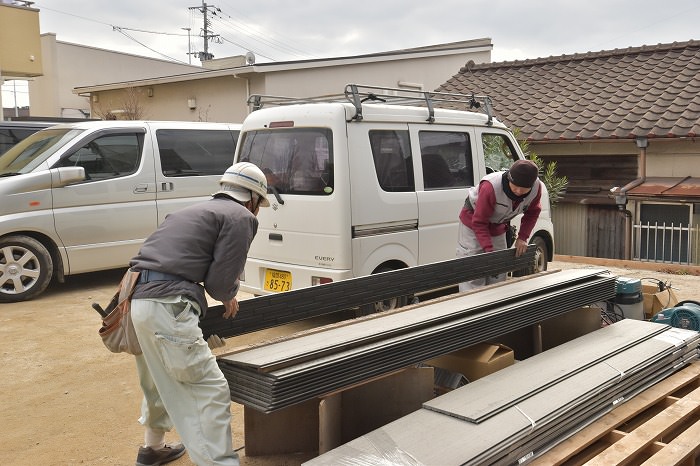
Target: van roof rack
{"x": 358, "y": 94}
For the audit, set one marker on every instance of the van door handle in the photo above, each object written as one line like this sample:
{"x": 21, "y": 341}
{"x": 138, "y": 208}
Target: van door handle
{"x": 275, "y": 237}
{"x": 167, "y": 186}
{"x": 141, "y": 188}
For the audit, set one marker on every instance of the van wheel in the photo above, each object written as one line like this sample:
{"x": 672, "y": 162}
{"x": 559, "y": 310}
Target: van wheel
{"x": 540, "y": 262}
{"x": 391, "y": 303}
{"x": 381, "y": 306}
{"x": 384, "y": 305}
{"x": 26, "y": 268}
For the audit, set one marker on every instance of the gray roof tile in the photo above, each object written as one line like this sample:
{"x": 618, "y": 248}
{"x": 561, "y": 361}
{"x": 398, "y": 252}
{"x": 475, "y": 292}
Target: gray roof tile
{"x": 648, "y": 91}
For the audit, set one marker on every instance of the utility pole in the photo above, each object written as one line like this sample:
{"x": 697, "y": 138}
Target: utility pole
{"x": 14, "y": 87}
{"x": 2, "y": 109}
{"x": 207, "y": 33}
{"x": 189, "y": 44}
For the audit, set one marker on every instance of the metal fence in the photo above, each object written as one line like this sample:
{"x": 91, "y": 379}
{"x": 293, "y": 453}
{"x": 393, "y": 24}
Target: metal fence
{"x": 672, "y": 244}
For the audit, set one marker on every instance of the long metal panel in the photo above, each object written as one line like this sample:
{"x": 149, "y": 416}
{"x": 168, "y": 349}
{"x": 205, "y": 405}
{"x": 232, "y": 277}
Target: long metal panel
{"x": 583, "y": 414}
{"x": 334, "y": 384}
{"x": 562, "y": 408}
{"x": 291, "y": 306}
{"x": 489, "y": 396}
{"x": 567, "y": 404}
{"x": 313, "y": 377}
{"x": 462, "y": 324}
{"x": 399, "y": 322}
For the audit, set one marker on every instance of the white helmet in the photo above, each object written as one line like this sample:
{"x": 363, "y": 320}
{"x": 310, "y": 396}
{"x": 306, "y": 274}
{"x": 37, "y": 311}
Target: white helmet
{"x": 241, "y": 180}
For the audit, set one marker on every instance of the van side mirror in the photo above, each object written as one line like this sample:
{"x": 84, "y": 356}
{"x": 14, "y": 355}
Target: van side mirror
{"x": 64, "y": 176}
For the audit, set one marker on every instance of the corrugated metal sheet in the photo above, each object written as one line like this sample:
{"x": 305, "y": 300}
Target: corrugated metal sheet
{"x": 570, "y": 229}
{"x": 675, "y": 188}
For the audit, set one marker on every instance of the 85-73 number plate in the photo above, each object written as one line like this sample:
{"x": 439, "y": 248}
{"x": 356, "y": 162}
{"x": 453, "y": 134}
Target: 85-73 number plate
{"x": 278, "y": 280}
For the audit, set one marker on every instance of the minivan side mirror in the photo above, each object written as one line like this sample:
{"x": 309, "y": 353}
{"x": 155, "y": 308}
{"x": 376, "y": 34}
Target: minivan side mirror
{"x": 63, "y": 176}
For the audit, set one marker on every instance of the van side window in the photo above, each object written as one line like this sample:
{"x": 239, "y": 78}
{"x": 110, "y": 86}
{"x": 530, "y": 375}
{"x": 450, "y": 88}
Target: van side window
{"x": 195, "y": 152}
{"x": 446, "y": 158}
{"x": 499, "y": 153}
{"x": 393, "y": 163}
{"x": 295, "y": 160}
{"x": 108, "y": 156}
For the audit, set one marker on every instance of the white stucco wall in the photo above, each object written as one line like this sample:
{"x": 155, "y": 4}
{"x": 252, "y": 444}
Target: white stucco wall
{"x": 67, "y": 66}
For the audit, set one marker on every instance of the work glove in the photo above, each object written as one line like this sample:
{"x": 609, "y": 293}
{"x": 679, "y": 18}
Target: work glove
{"x": 215, "y": 341}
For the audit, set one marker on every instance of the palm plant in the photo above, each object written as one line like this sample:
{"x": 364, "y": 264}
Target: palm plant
{"x": 556, "y": 185}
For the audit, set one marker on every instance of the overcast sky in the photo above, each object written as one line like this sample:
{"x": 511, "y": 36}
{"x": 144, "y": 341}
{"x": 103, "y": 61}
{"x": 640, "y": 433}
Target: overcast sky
{"x": 280, "y": 30}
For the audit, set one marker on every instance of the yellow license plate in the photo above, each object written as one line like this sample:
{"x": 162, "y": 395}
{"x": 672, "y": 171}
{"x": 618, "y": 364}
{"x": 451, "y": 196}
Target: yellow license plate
{"x": 278, "y": 280}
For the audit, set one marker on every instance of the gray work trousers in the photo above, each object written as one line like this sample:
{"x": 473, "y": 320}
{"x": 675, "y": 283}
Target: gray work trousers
{"x": 468, "y": 245}
{"x": 181, "y": 381}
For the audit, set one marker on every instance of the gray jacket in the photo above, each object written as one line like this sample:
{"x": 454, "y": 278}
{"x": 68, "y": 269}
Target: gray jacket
{"x": 204, "y": 243}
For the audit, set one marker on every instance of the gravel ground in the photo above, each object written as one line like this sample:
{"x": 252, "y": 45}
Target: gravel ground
{"x": 684, "y": 280}
{"x": 68, "y": 401}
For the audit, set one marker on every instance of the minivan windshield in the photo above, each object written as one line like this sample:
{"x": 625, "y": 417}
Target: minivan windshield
{"x": 34, "y": 150}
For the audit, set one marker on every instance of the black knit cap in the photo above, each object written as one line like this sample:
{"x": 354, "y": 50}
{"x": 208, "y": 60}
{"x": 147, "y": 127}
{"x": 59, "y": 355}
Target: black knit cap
{"x": 523, "y": 173}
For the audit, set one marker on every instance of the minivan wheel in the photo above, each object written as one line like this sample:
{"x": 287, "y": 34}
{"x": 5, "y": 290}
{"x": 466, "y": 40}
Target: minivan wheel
{"x": 26, "y": 268}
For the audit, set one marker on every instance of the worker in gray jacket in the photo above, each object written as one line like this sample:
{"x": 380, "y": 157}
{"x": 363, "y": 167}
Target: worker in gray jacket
{"x": 201, "y": 247}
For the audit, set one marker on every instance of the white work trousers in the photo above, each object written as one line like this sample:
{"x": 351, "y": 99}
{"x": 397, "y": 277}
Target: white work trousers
{"x": 181, "y": 381}
{"x": 468, "y": 245}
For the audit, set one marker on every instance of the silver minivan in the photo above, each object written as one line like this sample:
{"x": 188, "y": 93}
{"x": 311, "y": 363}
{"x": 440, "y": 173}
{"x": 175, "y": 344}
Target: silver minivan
{"x": 82, "y": 197}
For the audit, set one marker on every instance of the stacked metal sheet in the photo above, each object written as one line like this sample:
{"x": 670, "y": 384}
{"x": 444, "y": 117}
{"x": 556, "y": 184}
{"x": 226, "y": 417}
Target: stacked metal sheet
{"x": 516, "y": 414}
{"x": 280, "y": 374}
{"x": 280, "y": 308}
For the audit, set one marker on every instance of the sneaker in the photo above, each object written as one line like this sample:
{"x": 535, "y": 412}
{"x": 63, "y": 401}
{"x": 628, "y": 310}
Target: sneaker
{"x": 151, "y": 457}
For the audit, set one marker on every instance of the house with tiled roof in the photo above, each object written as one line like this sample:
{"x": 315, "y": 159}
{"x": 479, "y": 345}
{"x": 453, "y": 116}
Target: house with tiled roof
{"x": 624, "y": 127}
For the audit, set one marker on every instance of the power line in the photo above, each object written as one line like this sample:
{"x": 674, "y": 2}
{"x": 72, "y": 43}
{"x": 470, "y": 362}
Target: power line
{"x": 120, "y": 30}
{"x": 247, "y": 48}
{"x": 73, "y": 15}
{"x": 265, "y": 39}
{"x": 224, "y": 20}
{"x": 284, "y": 42}
{"x": 152, "y": 32}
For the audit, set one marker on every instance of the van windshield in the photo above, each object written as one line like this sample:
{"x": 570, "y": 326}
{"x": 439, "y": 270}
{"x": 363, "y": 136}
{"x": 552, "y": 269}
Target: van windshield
{"x": 295, "y": 160}
{"x": 34, "y": 150}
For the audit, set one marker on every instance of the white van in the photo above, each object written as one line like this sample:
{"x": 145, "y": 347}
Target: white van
{"x": 361, "y": 185}
{"x": 82, "y": 197}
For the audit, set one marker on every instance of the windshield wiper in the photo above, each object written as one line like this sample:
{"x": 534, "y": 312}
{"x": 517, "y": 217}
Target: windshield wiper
{"x": 274, "y": 190}
{"x": 2, "y": 175}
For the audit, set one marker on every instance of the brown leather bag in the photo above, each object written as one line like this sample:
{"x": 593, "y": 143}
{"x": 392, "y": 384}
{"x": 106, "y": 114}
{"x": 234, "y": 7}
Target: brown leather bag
{"x": 117, "y": 329}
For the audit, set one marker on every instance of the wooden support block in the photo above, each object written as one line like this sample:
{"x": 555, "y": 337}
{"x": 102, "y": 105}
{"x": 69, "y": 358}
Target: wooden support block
{"x": 290, "y": 430}
{"x": 321, "y": 424}
{"x": 537, "y": 339}
{"x": 330, "y": 428}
